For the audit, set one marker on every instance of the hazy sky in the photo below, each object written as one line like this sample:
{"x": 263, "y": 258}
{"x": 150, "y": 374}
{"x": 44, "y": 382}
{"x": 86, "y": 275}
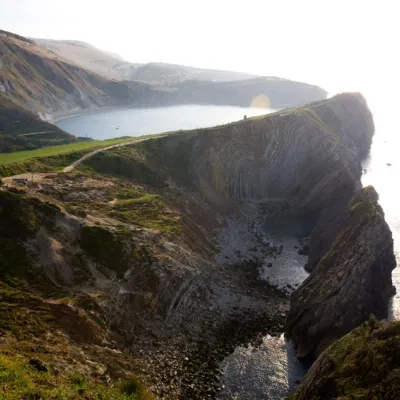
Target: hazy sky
{"x": 340, "y": 44}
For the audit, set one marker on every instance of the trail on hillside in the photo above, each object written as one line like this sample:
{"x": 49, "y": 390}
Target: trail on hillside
{"x": 36, "y": 176}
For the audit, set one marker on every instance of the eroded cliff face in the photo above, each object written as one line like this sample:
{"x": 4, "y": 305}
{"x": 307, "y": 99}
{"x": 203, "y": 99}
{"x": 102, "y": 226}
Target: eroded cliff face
{"x": 351, "y": 281}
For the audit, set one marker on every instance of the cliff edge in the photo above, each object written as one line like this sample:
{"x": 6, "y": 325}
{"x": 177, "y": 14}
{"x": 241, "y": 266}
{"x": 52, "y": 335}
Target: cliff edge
{"x": 351, "y": 281}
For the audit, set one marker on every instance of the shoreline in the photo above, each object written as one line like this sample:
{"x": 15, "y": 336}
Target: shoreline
{"x": 54, "y": 119}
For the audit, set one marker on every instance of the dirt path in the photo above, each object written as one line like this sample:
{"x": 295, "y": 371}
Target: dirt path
{"x": 37, "y": 176}
{"x": 35, "y": 133}
{"x": 91, "y": 154}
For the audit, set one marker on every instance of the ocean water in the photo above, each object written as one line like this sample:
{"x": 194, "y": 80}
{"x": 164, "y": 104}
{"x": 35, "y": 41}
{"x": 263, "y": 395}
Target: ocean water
{"x": 383, "y": 171}
{"x": 144, "y": 121}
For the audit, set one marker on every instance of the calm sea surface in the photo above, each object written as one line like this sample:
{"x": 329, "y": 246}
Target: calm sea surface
{"x": 144, "y": 121}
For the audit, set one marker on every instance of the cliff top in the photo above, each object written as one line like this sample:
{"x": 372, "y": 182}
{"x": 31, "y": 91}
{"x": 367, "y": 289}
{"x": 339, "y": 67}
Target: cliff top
{"x": 364, "y": 364}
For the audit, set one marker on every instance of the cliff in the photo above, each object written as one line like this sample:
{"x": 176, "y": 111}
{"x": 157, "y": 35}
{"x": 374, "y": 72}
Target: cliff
{"x": 308, "y": 156}
{"x": 351, "y": 281}
{"x": 126, "y": 255}
{"x": 364, "y": 364}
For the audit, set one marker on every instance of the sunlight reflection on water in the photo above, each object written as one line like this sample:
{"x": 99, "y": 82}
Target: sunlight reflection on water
{"x": 268, "y": 371}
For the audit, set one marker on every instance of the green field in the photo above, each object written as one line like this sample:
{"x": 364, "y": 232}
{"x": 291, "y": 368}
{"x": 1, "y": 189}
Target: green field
{"x": 21, "y": 156}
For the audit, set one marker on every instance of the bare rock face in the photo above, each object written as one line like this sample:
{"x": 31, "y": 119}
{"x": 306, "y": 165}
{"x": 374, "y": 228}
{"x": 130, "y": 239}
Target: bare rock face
{"x": 364, "y": 364}
{"x": 351, "y": 281}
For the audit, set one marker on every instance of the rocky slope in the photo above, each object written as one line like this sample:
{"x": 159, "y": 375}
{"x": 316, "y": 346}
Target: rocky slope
{"x": 36, "y": 79}
{"x": 364, "y": 364}
{"x": 352, "y": 280}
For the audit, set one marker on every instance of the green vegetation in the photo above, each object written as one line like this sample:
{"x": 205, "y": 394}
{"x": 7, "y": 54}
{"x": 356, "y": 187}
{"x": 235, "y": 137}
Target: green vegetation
{"x": 363, "y": 365}
{"x": 115, "y": 250}
{"x": 22, "y": 156}
{"x": 147, "y": 210}
{"x": 19, "y": 379}
{"x": 46, "y": 164}
{"x": 19, "y": 131}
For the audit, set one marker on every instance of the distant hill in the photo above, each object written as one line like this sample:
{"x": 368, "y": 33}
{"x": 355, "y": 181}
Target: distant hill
{"x": 104, "y": 63}
{"x": 257, "y": 92}
{"x": 113, "y": 66}
{"x": 167, "y": 74}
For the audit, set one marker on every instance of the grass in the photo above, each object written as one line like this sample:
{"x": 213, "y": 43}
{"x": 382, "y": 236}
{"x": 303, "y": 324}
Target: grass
{"x": 363, "y": 365}
{"x": 21, "y": 156}
{"x": 19, "y": 380}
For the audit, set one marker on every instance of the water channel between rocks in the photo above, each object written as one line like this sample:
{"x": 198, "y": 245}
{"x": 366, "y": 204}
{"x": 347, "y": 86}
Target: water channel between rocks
{"x": 270, "y": 369}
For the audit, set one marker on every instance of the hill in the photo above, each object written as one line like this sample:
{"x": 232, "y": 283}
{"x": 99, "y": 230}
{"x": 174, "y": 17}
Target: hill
{"x": 106, "y": 64}
{"x": 258, "y": 92}
{"x": 37, "y": 79}
{"x": 157, "y": 73}
{"x": 112, "y": 66}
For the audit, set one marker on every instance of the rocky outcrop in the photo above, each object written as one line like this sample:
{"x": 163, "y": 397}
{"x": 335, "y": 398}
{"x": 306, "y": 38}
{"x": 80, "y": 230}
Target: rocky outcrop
{"x": 364, "y": 364}
{"x": 351, "y": 281}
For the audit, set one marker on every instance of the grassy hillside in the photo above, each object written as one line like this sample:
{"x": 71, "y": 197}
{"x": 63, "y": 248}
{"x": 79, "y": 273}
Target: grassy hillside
{"x": 51, "y": 158}
{"x": 22, "y": 130}
{"x": 363, "y": 365}
{"x": 50, "y": 348}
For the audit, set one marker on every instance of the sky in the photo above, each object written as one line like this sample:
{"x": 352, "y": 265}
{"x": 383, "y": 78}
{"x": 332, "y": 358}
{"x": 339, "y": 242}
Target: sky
{"x": 349, "y": 45}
